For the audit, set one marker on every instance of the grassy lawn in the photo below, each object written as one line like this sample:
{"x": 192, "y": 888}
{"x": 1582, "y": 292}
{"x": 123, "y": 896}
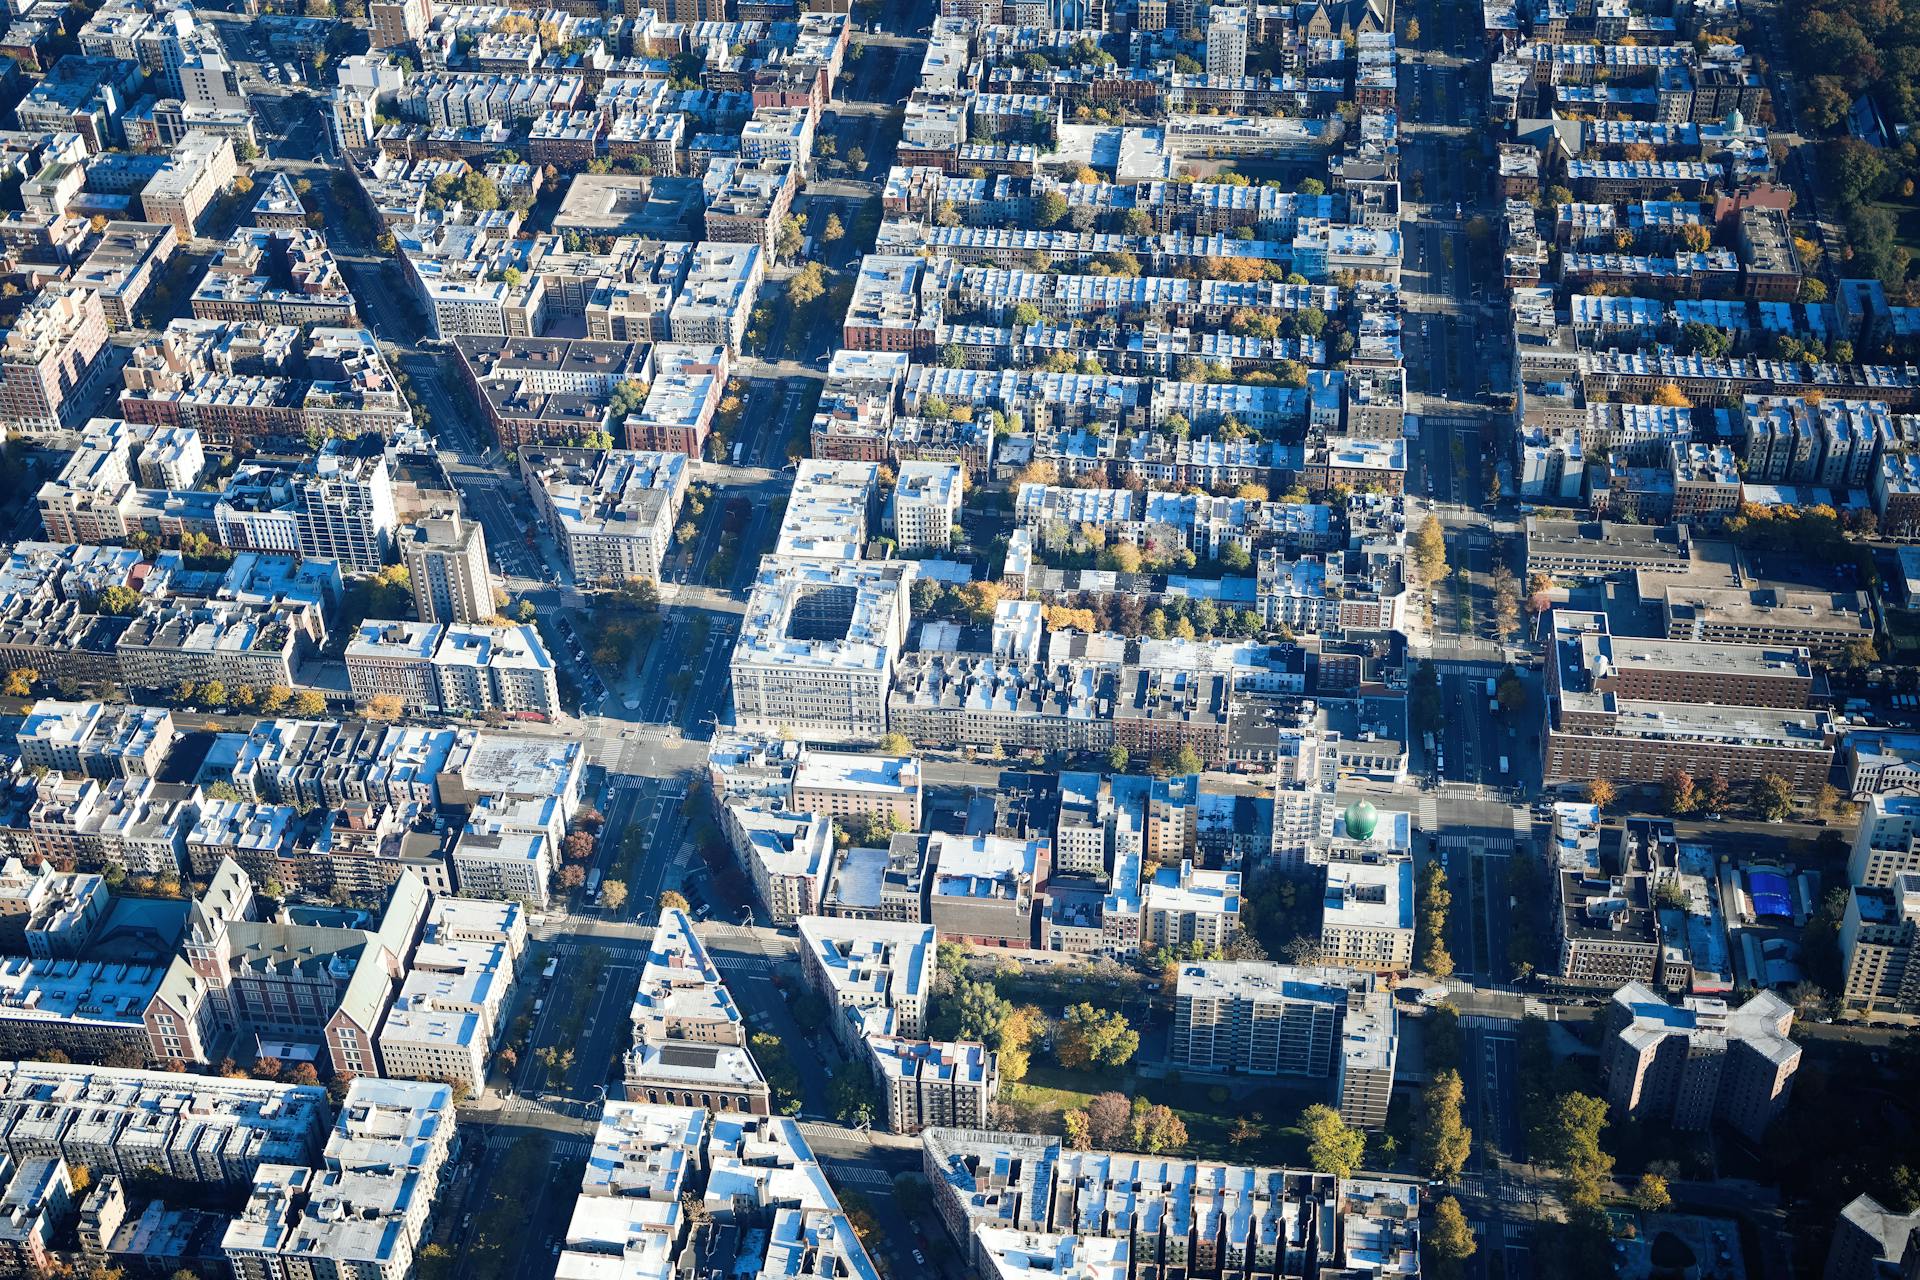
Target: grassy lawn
{"x": 1903, "y": 630}
{"x": 1049, "y": 1091}
{"x": 1908, "y": 218}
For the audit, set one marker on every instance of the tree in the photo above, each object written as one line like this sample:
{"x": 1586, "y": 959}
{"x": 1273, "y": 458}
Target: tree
{"x": 1333, "y": 1146}
{"x": 1050, "y": 209}
{"x": 1506, "y": 601}
{"x": 1539, "y": 592}
{"x": 20, "y": 682}
{"x": 1430, "y": 549}
{"x": 1450, "y": 1240}
{"x": 673, "y": 900}
{"x": 1601, "y": 793}
{"x": 834, "y": 229}
{"x": 1445, "y": 1142}
{"x": 477, "y": 191}
{"x": 1109, "y": 1118}
{"x": 1117, "y": 758}
{"x": 1683, "y": 797}
{"x": 628, "y": 395}
{"x": 792, "y": 236}
{"x": 119, "y": 600}
{"x": 1670, "y": 396}
{"x": 1156, "y": 1128}
{"x": 1772, "y": 797}
{"x": 1571, "y": 1144}
{"x": 613, "y": 894}
{"x": 895, "y": 743}
{"x": 1436, "y": 900}
{"x": 308, "y": 704}
{"x": 1077, "y": 1130}
{"x": 571, "y": 877}
{"x": 1413, "y": 30}
{"x": 809, "y": 283}
{"x": 1091, "y": 1037}
{"x": 974, "y": 1011}
{"x": 1650, "y": 1194}
{"x": 213, "y": 695}
{"x": 1510, "y": 692}
{"x": 385, "y": 706}
{"x": 1187, "y": 760}
{"x": 1715, "y": 798}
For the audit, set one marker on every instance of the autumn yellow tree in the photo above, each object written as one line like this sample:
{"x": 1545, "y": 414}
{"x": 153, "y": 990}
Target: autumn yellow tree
{"x": 385, "y": 706}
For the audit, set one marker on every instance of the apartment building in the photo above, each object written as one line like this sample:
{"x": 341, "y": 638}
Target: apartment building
{"x": 817, "y": 646}
{"x": 844, "y": 787}
{"x": 716, "y": 299}
{"x": 875, "y": 975}
{"x": 1366, "y": 920}
{"x": 124, "y": 265}
{"x": 394, "y": 658}
{"x": 336, "y": 505}
{"x": 39, "y": 1197}
{"x": 689, "y": 1041}
{"x": 94, "y": 739}
{"x": 887, "y": 884}
{"x": 1871, "y": 1241}
{"x": 1256, "y": 1017}
{"x": 367, "y": 1207}
{"x": 1188, "y": 906}
{"x": 759, "y": 1185}
{"x": 786, "y": 857}
{"x": 201, "y": 167}
{"x": 1594, "y": 729}
{"x": 614, "y": 511}
{"x": 446, "y": 559}
{"x": 1878, "y": 938}
{"x": 236, "y": 974}
{"x": 1884, "y": 843}
{"x": 451, "y": 1007}
{"x": 1007, "y": 1196}
{"x": 933, "y": 1082}
{"x": 275, "y": 275}
{"x": 120, "y": 1122}
{"x": 926, "y": 505}
{"x": 456, "y": 668}
{"x": 50, "y": 360}
{"x": 985, "y": 888}
{"x": 494, "y": 859}
{"x": 1690, "y": 1064}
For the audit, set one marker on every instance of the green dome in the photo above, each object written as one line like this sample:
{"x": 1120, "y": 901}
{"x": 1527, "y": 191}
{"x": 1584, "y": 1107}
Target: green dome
{"x": 1361, "y": 818}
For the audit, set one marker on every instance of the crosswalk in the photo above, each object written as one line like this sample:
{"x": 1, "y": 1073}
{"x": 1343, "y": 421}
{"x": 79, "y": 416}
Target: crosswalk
{"x": 858, "y": 1175}
{"x": 1429, "y": 816}
{"x": 499, "y": 1138}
